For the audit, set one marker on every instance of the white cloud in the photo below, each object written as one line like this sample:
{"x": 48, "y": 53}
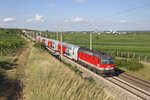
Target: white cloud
{"x": 122, "y": 21}
{"x": 37, "y": 18}
{"x": 29, "y": 20}
{"x": 51, "y": 4}
{"x": 80, "y": 1}
{"x": 77, "y": 19}
{"x": 8, "y": 19}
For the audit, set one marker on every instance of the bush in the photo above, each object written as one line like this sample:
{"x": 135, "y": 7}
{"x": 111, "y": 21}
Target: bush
{"x": 121, "y": 63}
{"x": 132, "y": 65}
{"x": 40, "y": 45}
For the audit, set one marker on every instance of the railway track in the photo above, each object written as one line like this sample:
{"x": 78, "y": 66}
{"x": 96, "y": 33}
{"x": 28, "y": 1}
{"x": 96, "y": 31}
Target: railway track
{"x": 140, "y": 93}
{"x": 143, "y": 84}
{"x": 142, "y": 90}
{"x": 123, "y": 81}
{"x": 130, "y": 83}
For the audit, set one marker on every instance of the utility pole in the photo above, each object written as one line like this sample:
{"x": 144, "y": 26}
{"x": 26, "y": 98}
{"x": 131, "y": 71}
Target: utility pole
{"x": 32, "y": 34}
{"x": 61, "y": 39}
{"x": 91, "y": 38}
{"x": 57, "y": 35}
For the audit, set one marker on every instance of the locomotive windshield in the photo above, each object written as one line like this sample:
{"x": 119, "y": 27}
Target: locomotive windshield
{"x": 110, "y": 61}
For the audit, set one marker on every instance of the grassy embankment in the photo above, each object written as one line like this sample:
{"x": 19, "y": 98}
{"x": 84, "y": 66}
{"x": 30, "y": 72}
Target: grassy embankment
{"x": 46, "y": 78}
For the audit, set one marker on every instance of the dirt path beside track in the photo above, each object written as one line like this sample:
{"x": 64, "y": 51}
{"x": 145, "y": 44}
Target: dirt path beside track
{"x": 10, "y": 85}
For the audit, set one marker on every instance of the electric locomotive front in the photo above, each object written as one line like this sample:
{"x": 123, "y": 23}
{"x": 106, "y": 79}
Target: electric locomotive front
{"x": 99, "y": 60}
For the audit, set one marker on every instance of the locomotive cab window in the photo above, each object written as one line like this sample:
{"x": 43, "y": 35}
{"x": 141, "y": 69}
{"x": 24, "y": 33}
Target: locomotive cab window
{"x": 104, "y": 61}
{"x": 111, "y": 61}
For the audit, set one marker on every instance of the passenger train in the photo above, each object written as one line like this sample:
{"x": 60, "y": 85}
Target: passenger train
{"x": 99, "y": 61}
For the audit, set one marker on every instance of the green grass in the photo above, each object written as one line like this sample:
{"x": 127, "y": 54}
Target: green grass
{"x": 48, "y": 79}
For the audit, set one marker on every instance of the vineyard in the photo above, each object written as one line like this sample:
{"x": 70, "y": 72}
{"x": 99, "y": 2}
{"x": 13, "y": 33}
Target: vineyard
{"x": 10, "y": 41}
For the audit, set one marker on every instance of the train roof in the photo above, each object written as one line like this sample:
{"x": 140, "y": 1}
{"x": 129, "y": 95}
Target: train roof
{"x": 98, "y": 54}
{"x": 72, "y": 45}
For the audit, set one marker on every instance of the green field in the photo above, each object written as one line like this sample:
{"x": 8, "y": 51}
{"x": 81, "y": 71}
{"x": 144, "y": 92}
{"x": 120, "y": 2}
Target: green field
{"x": 128, "y": 46}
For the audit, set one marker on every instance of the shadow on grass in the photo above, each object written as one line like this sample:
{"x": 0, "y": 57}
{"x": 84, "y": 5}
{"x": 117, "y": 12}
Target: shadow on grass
{"x": 6, "y": 65}
{"x": 118, "y": 72}
{"x": 10, "y": 88}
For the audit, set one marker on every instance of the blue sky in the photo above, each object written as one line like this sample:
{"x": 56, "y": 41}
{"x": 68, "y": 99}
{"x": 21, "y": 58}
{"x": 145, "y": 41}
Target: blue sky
{"x": 75, "y": 14}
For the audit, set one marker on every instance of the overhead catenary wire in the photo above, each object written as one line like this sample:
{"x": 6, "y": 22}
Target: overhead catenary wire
{"x": 125, "y": 11}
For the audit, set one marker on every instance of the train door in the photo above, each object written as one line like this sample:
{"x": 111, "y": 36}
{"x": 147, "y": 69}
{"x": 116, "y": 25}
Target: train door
{"x": 46, "y": 42}
{"x": 43, "y": 41}
{"x": 56, "y": 45}
{"x": 64, "y": 49}
{"x": 75, "y": 53}
{"x": 59, "y": 47}
{"x": 49, "y": 43}
{"x": 99, "y": 62}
